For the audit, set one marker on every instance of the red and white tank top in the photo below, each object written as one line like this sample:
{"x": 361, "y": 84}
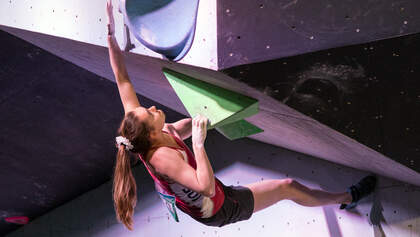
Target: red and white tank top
{"x": 187, "y": 200}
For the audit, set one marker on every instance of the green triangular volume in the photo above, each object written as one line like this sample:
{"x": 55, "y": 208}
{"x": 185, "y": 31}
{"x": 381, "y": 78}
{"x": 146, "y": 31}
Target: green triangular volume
{"x": 238, "y": 129}
{"x": 220, "y": 105}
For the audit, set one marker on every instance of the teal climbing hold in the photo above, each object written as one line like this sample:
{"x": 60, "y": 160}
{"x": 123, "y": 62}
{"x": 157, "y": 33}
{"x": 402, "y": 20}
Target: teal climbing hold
{"x": 164, "y": 26}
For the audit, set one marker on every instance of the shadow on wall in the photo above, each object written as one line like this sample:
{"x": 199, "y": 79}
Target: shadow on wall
{"x": 93, "y": 214}
{"x": 320, "y": 174}
{"x": 377, "y": 217}
{"x": 280, "y": 163}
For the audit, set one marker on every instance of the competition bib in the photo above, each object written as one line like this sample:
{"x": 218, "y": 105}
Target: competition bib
{"x": 169, "y": 201}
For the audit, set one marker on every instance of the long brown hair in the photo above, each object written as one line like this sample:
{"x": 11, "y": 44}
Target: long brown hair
{"x": 124, "y": 184}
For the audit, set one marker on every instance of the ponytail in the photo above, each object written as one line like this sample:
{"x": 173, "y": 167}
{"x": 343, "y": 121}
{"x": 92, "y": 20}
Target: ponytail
{"x": 124, "y": 185}
{"x": 124, "y": 188}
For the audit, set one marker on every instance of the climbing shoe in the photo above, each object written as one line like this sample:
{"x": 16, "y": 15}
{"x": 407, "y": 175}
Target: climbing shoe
{"x": 360, "y": 190}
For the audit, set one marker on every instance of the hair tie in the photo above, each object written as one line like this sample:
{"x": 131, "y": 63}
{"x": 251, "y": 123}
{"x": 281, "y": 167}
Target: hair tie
{"x": 122, "y": 140}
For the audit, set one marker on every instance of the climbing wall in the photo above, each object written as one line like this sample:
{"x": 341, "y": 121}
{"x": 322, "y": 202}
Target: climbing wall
{"x": 86, "y": 21}
{"x": 231, "y": 34}
{"x": 392, "y": 211}
{"x": 350, "y": 90}
{"x": 282, "y": 125}
{"x": 254, "y": 31}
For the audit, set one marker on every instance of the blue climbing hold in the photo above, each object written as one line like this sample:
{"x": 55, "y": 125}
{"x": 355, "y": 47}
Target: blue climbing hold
{"x": 164, "y": 26}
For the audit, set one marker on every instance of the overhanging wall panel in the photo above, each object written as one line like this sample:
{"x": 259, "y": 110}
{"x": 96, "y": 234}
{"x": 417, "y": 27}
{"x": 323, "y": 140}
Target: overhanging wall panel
{"x": 283, "y": 126}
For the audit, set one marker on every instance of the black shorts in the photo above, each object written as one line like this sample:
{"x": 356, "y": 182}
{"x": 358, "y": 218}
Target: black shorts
{"x": 238, "y": 206}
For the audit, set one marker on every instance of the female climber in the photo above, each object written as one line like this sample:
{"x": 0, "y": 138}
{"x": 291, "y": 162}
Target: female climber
{"x": 188, "y": 175}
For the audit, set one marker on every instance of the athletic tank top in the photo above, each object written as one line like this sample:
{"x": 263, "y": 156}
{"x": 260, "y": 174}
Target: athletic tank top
{"x": 189, "y": 201}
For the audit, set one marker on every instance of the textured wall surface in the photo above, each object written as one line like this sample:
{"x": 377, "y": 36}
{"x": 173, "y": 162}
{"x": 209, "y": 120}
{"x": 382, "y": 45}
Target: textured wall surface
{"x": 254, "y": 31}
{"x": 393, "y": 209}
{"x": 58, "y": 122}
{"x": 282, "y": 125}
{"x": 368, "y": 92}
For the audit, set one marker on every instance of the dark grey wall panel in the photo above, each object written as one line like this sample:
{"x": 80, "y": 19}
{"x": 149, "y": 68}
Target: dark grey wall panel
{"x": 252, "y": 31}
{"x": 369, "y": 92}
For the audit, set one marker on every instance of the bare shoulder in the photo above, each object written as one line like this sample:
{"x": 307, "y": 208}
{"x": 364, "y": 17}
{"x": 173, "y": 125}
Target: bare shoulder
{"x": 164, "y": 158}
